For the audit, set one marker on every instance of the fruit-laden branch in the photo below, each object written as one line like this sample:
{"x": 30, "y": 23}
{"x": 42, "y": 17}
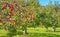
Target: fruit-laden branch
{"x": 7, "y": 4}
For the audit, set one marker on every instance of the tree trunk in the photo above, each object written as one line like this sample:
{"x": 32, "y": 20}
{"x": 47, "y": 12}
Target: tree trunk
{"x": 54, "y": 28}
{"x": 24, "y": 30}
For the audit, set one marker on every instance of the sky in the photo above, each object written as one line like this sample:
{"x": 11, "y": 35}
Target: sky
{"x": 45, "y": 2}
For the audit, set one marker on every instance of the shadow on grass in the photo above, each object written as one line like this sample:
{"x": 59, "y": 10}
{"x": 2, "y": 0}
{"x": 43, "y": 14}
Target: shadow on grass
{"x": 8, "y": 34}
{"x": 42, "y": 35}
{"x": 57, "y": 31}
{"x": 52, "y": 31}
{"x": 36, "y": 34}
{"x": 19, "y": 33}
{"x": 3, "y": 36}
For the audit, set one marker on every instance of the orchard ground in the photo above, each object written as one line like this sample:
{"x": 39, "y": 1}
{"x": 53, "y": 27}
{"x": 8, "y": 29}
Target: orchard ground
{"x": 34, "y": 32}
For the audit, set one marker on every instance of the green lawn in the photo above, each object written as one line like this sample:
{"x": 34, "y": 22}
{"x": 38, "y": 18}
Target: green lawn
{"x": 37, "y": 32}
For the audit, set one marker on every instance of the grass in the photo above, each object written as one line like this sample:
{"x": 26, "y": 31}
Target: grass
{"x": 3, "y": 32}
{"x": 37, "y": 32}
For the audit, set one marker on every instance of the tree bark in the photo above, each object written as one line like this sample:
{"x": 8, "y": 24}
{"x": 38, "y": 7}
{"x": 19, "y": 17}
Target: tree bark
{"x": 24, "y": 30}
